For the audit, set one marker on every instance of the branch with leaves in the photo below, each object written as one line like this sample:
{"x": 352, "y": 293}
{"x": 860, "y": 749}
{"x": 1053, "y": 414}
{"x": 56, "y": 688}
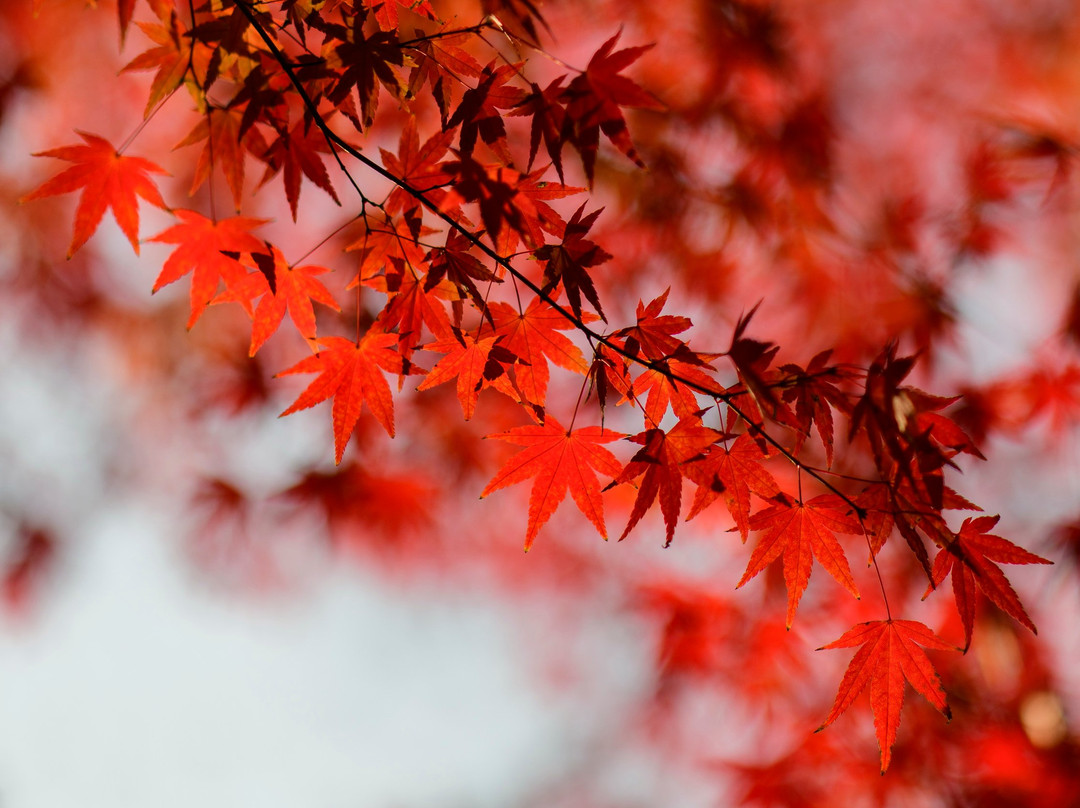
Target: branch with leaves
{"x": 289, "y": 83}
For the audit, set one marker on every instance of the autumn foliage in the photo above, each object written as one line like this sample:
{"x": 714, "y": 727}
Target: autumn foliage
{"x": 689, "y": 279}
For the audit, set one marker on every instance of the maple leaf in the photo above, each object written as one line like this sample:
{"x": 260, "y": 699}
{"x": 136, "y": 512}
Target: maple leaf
{"x": 888, "y": 655}
{"x": 566, "y": 263}
{"x": 225, "y": 147}
{"x": 653, "y": 335}
{"x": 368, "y": 504}
{"x": 478, "y": 113}
{"x": 230, "y": 35}
{"x": 666, "y": 383}
{"x": 384, "y": 247}
{"x": 660, "y": 459}
{"x": 800, "y": 532}
{"x": 608, "y": 370}
{"x": 386, "y": 12}
{"x": 418, "y": 167}
{"x": 106, "y": 179}
{"x": 411, "y": 307}
{"x": 351, "y": 372}
{"x": 549, "y": 121}
{"x": 532, "y": 196}
{"x": 295, "y": 153}
{"x": 970, "y": 558}
{"x": 899, "y": 505}
{"x": 282, "y": 288}
{"x": 751, "y": 359}
{"x": 263, "y": 97}
{"x": 172, "y": 58}
{"x": 733, "y": 471}
{"x": 442, "y": 64}
{"x": 813, "y": 391}
{"x": 533, "y": 337}
{"x": 501, "y": 194}
{"x": 203, "y": 247}
{"x": 365, "y": 62}
{"x": 466, "y": 360}
{"x": 455, "y": 264}
{"x": 561, "y": 460}
{"x": 593, "y": 100}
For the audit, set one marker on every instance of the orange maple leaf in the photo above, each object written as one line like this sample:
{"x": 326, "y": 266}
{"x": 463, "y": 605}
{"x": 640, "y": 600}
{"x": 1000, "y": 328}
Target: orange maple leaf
{"x": 970, "y": 559}
{"x": 226, "y": 145}
{"x": 283, "y": 288}
{"x": 533, "y": 337}
{"x": 466, "y": 360}
{"x": 350, "y": 372}
{"x": 107, "y": 179}
{"x": 175, "y": 60}
{"x": 561, "y": 460}
{"x": 888, "y": 655}
{"x": 201, "y": 249}
{"x": 800, "y": 532}
{"x": 663, "y": 384}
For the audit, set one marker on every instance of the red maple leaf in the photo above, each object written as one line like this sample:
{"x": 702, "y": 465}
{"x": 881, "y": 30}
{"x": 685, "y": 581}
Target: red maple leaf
{"x": 813, "y": 390}
{"x": 295, "y": 153}
{"x": 352, "y": 373}
{"x": 566, "y": 263}
{"x": 454, "y": 263}
{"x": 466, "y": 359}
{"x": 661, "y": 460}
{"x": 888, "y": 655}
{"x": 478, "y": 113}
{"x": 593, "y": 101}
{"x": 653, "y": 334}
{"x": 733, "y": 471}
{"x": 418, "y": 167}
{"x": 609, "y": 371}
{"x": 801, "y": 532}
{"x": 502, "y": 194}
{"x": 549, "y": 121}
{"x": 202, "y": 247}
{"x": 364, "y": 61}
{"x": 282, "y": 288}
{"x": 386, "y": 12}
{"x": 666, "y": 383}
{"x": 970, "y": 558}
{"x": 124, "y": 9}
{"x": 442, "y": 64}
{"x": 533, "y": 194}
{"x": 752, "y": 359}
{"x": 107, "y": 179}
{"x": 561, "y": 460}
{"x": 383, "y": 247}
{"x": 411, "y": 307}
